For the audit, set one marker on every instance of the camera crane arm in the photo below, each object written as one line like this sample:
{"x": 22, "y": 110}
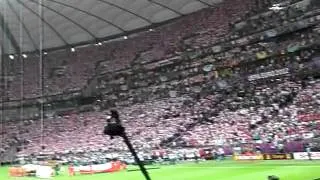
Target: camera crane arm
{"x": 115, "y": 128}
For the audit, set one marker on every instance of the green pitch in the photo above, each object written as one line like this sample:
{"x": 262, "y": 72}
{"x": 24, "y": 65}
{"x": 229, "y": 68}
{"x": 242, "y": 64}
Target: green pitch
{"x": 227, "y": 170}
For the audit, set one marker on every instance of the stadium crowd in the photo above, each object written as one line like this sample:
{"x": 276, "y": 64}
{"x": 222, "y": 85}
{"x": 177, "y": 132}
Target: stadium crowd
{"x": 272, "y": 115}
{"x": 272, "y": 107}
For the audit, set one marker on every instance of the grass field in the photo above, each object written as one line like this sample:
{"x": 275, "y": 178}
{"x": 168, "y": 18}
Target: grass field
{"x": 227, "y": 170}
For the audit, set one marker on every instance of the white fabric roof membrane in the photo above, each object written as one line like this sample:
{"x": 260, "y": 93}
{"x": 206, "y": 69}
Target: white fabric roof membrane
{"x": 66, "y": 23}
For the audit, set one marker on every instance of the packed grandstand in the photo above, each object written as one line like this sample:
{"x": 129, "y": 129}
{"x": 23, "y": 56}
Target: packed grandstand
{"x": 238, "y": 77}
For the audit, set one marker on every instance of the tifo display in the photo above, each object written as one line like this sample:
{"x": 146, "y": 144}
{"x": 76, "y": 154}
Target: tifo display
{"x": 47, "y": 171}
{"x": 42, "y": 171}
{"x": 101, "y": 168}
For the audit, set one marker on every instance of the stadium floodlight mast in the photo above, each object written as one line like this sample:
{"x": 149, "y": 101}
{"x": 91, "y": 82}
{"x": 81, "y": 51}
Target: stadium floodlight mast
{"x": 115, "y": 128}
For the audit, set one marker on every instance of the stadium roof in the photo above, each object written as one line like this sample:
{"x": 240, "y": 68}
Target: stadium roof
{"x": 67, "y": 23}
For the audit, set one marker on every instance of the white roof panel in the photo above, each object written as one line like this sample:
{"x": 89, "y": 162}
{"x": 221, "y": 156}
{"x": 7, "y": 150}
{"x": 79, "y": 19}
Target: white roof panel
{"x": 73, "y": 22}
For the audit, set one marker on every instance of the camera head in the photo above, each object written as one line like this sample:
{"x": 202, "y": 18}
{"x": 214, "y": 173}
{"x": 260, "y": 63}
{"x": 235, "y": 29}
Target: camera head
{"x": 273, "y": 177}
{"x": 114, "y": 126}
{"x": 114, "y": 114}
